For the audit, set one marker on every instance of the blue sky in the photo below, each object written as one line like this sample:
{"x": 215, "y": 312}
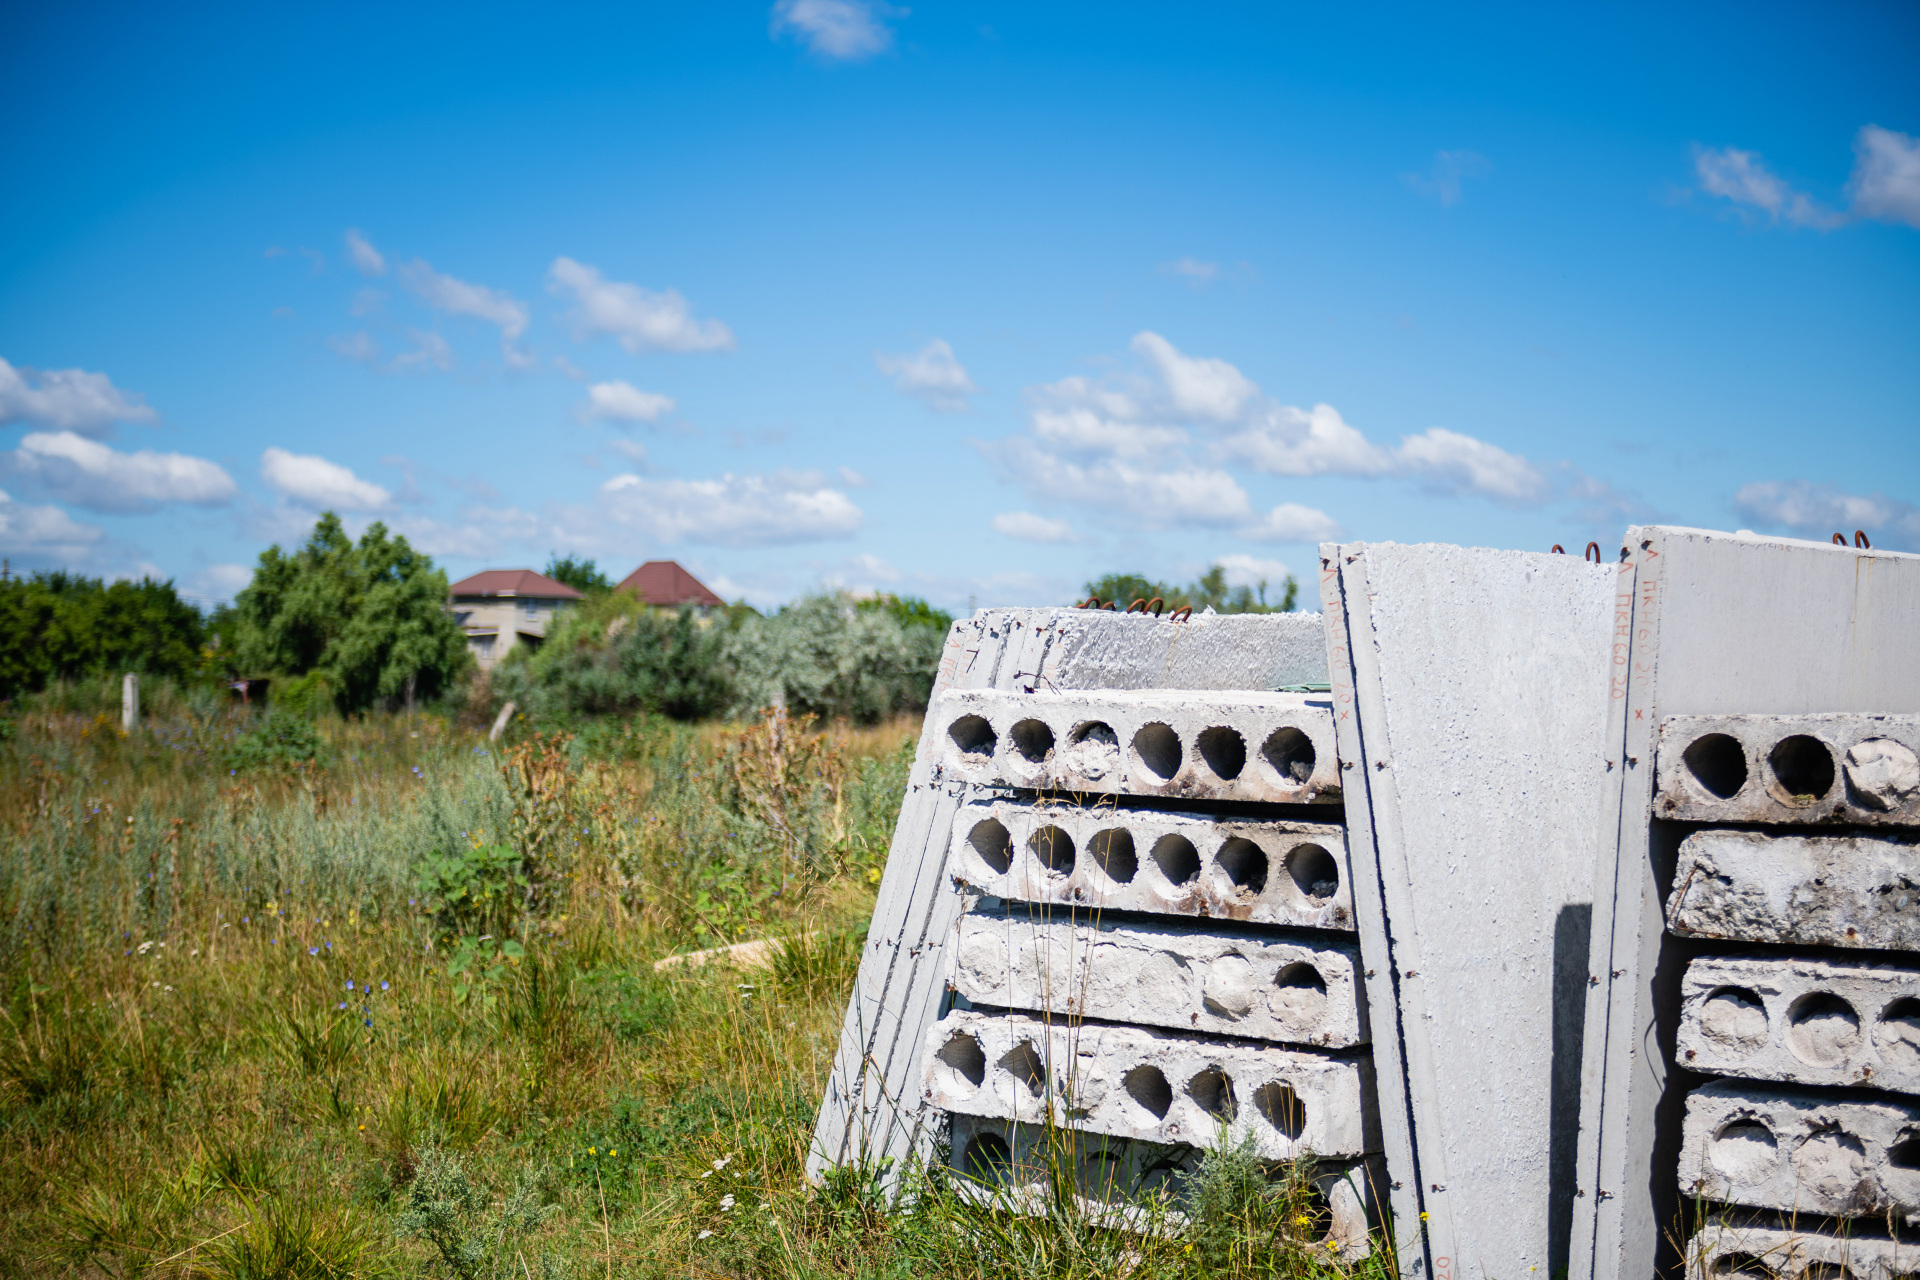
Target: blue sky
{"x": 968, "y": 302}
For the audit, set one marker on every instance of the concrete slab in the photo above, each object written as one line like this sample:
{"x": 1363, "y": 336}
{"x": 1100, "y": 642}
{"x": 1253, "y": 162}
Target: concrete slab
{"x": 1861, "y": 770}
{"x": 1816, "y": 1022}
{"x": 1837, "y": 891}
{"x": 1774, "y": 1147}
{"x": 1275, "y": 872}
{"x": 1774, "y": 1253}
{"x": 1270, "y": 748}
{"x": 1153, "y": 1086}
{"x": 1237, "y": 984}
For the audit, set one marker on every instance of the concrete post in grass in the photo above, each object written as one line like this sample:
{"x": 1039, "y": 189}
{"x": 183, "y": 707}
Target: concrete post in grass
{"x": 129, "y": 702}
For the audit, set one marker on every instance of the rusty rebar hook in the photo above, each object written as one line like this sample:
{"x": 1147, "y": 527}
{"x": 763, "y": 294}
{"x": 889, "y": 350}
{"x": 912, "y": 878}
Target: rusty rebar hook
{"x": 1839, "y": 539}
{"x": 1559, "y": 550}
{"x": 1182, "y": 614}
{"x": 1592, "y": 553}
{"x": 1155, "y": 605}
{"x": 1138, "y": 606}
{"x": 1111, "y": 604}
{"x": 1860, "y": 540}
{"x": 1091, "y": 602}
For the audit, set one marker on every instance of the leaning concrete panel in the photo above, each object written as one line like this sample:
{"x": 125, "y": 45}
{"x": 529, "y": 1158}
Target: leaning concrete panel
{"x": 1237, "y": 984}
{"x": 1804, "y": 1021}
{"x": 1147, "y": 860}
{"x": 1772, "y": 1253}
{"x": 1478, "y": 776}
{"x": 1269, "y": 748}
{"x": 1862, "y": 770}
{"x": 1837, "y": 891}
{"x": 1769, "y": 1147}
{"x": 1130, "y": 1082}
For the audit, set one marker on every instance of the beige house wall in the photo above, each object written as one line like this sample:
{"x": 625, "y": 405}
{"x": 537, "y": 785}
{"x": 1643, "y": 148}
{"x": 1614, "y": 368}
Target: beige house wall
{"x": 495, "y": 624}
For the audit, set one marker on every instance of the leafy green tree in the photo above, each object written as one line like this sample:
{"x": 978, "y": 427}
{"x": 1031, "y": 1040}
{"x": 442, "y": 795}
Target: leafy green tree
{"x": 1208, "y": 591}
{"x": 62, "y": 626}
{"x": 613, "y": 655}
{"x": 371, "y": 616}
{"x": 583, "y": 576}
{"x": 910, "y": 611}
{"x": 827, "y": 655}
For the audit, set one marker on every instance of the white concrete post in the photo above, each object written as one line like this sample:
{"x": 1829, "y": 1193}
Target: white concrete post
{"x": 129, "y": 702}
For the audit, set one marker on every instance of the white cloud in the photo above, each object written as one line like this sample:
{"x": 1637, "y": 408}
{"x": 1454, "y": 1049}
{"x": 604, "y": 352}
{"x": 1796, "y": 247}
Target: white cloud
{"x": 639, "y": 319}
{"x": 734, "y": 510}
{"x": 852, "y": 479}
{"x": 1291, "y": 522}
{"x": 1145, "y": 496}
{"x": 1742, "y": 178}
{"x": 85, "y": 472}
{"x": 1285, "y": 441}
{"x": 1197, "y": 386}
{"x": 1450, "y": 169}
{"x": 67, "y": 400}
{"x": 619, "y": 401}
{"x": 368, "y": 260}
{"x": 1819, "y": 511}
{"x": 458, "y": 297}
{"x": 430, "y": 351}
{"x": 1198, "y": 274}
{"x": 1025, "y": 526}
{"x": 43, "y": 536}
{"x": 1886, "y": 176}
{"x": 314, "y": 482}
{"x": 1455, "y": 463}
{"x": 845, "y": 30}
{"x": 932, "y": 374}
{"x": 1252, "y": 571}
{"x": 358, "y": 346}
{"x": 221, "y": 581}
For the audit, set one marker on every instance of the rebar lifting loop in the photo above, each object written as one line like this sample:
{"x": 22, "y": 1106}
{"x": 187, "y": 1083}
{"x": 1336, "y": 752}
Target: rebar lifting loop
{"x": 1091, "y": 602}
{"x": 1138, "y": 606}
{"x": 1592, "y": 553}
{"x": 1559, "y": 550}
{"x": 1182, "y": 614}
{"x": 1111, "y": 604}
{"x": 1860, "y": 540}
{"x": 1839, "y": 539}
{"x": 1155, "y": 605}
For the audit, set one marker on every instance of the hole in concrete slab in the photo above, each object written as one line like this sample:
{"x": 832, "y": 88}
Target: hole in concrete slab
{"x": 1314, "y": 872}
{"x": 1102, "y": 1172}
{"x": 1741, "y": 1264}
{"x": 1177, "y": 859}
{"x": 1290, "y": 752}
{"x": 1734, "y": 1018}
{"x": 964, "y": 1060}
{"x": 1825, "y": 1271}
{"x": 1227, "y": 986}
{"x": 1718, "y": 763}
{"x": 1802, "y": 769}
{"x": 1224, "y": 751}
{"x": 974, "y": 738}
{"x": 1157, "y": 748}
{"x": 1744, "y": 1151}
{"x": 995, "y": 847}
{"x": 1148, "y": 1087}
{"x": 1282, "y": 1108}
{"x": 1213, "y": 1092}
{"x": 1023, "y": 1062}
{"x": 1905, "y": 1151}
{"x": 1245, "y": 865}
{"x": 1092, "y": 751}
{"x": 1301, "y": 996}
{"x": 1054, "y": 847}
{"x": 1898, "y": 1034}
{"x": 1881, "y": 773}
{"x": 1822, "y": 1029}
{"x": 987, "y": 1157}
{"x": 1033, "y": 740}
{"x": 1831, "y": 1163}
{"x": 1113, "y": 853}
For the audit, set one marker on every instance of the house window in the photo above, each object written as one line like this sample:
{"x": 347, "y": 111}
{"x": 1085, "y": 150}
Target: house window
{"x": 533, "y": 607}
{"x": 482, "y": 646}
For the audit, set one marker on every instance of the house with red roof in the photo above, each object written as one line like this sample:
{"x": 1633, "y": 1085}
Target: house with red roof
{"x": 501, "y": 608}
{"x": 664, "y": 584}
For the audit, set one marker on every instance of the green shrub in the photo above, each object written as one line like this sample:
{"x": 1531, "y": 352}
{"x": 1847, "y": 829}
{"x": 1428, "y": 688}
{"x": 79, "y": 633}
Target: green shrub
{"x": 279, "y": 741}
{"x": 475, "y": 890}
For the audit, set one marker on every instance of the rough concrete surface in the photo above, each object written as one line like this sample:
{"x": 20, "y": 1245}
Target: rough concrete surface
{"x": 1154, "y": 1086}
{"x": 1771, "y": 1253}
{"x": 1098, "y": 649}
{"x": 1274, "y": 748}
{"x": 1014, "y": 1163}
{"x": 1238, "y": 984}
{"x": 1775, "y": 1147}
{"x": 1292, "y": 873}
{"x": 1840, "y": 891}
{"x": 1803, "y": 1021}
{"x": 1853, "y": 768}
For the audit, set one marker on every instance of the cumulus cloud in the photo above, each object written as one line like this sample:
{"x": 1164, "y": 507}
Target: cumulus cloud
{"x": 1252, "y": 571}
{"x": 639, "y": 319}
{"x": 430, "y": 351}
{"x": 1025, "y": 526}
{"x": 1819, "y": 511}
{"x": 733, "y": 510}
{"x": 933, "y": 375}
{"x": 1450, "y": 169}
{"x": 43, "y": 536}
{"x": 456, "y": 297}
{"x": 366, "y": 259}
{"x": 1886, "y": 176}
{"x": 318, "y": 484}
{"x": 1453, "y": 463}
{"x": 1157, "y": 496}
{"x": 838, "y": 30}
{"x": 74, "y": 469}
{"x": 619, "y": 401}
{"x": 67, "y": 400}
{"x": 1291, "y": 522}
{"x": 1742, "y": 178}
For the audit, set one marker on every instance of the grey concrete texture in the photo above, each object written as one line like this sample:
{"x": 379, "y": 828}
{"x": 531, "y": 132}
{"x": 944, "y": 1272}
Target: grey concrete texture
{"x": 1839, "y": 891}
{"x": 1105, "y": 649}
{"x": 1153, "y": 1086}
{"x": 1013, "y": 1165}
{"x": 1291, "y": 873}
{"x": 1272, "y": 748}
{"x": 1775, "y": 1253}
{"x": 1238, "y": 984}
{"x": 1779, "y": 1147}
{"x": 1802, "y": 1021}
{"x": 1858, "y": 769}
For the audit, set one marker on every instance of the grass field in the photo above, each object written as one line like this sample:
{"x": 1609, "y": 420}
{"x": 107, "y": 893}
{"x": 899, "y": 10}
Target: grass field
{"x": 392, "y": 1010}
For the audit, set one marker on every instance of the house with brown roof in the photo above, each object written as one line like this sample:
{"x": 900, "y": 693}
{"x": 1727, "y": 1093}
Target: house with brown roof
{"x": 500, "y": 608}
{"x": 664, "y": 584}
